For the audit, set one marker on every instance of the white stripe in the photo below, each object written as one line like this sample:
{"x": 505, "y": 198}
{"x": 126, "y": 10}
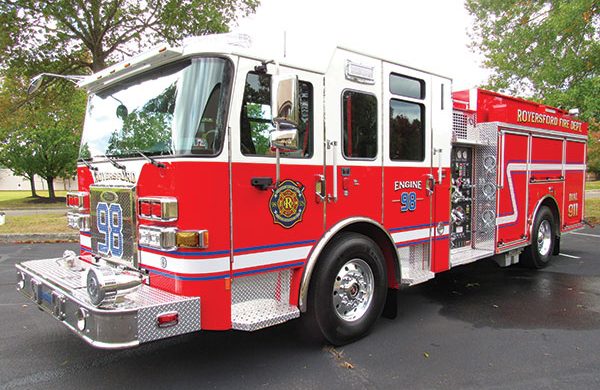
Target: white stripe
{"x": 270, "y": 257}
{"x": 532, "y": 167}
{"x": 585, "y": 234}
{"x": 569, "y": 256}
{"x": 185, "y": 266}
{"x": 85, "y": 240}
{"x": 411, "y": 235}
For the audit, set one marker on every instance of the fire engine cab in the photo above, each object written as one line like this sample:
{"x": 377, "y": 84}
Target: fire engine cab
{"x": 225, "y": 188}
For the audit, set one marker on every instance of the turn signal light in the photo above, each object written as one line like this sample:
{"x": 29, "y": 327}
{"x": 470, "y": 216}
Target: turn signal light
{"x": 166, "y": 320}
{"x": 192, "y": 239}
{"x": 169, "y": 238}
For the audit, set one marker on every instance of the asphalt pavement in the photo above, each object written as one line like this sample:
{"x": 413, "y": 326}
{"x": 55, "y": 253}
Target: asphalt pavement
{"x": 474, "y": 327}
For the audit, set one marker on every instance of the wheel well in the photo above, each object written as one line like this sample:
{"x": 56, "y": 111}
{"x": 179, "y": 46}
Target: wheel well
{"x": 551, "y": 204}
{"x": 368, "y": 227}
{"x": 382, "y": 239}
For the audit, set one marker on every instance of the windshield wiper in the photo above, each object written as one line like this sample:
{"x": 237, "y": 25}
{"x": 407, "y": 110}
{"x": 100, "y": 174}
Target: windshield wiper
{"x": 114, "y": 162}
{"x": 87, "y": 164}
{"x": 150, "y": 159}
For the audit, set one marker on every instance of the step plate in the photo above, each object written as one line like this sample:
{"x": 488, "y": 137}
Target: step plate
{"x": 261, "y": 313}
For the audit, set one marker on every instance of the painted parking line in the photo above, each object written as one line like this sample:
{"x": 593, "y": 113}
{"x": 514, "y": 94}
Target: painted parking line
{"x": 586, "y": 234}
{"x": 569, "y": 256}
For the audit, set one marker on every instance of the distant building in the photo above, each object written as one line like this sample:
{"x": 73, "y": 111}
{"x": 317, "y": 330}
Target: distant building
{"x": 8, "y": 181}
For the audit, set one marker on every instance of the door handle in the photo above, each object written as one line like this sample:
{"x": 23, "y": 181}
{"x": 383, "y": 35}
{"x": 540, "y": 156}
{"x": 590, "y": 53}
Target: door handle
{"x": 429, "y": 184}
{"x": 262, "y": 183}
{"x": 320, "y": 188}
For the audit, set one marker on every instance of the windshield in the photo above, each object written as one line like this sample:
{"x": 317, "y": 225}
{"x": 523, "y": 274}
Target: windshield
{"x": 177, "y": 109}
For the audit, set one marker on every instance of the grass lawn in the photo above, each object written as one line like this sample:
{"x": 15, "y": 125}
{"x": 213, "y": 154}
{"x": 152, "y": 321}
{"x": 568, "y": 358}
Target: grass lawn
{"x": 11, "y": 200}
{"x": 592, "y": 185}
{"x": 37, "y": 223}
{"x": 592, "y": 210}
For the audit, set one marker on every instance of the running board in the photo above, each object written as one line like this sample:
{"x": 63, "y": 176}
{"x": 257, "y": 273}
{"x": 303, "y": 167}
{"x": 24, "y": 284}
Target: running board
{"x": 261, "y": 313}
{"x": 465, "y": 256}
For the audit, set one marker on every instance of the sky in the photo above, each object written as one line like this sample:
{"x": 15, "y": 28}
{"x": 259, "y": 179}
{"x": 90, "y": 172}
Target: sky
{"x": 425, "y": 34}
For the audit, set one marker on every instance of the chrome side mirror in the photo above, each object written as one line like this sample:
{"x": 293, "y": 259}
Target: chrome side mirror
{"x": 285, "y": 100}
{"x": 286, "y": 139}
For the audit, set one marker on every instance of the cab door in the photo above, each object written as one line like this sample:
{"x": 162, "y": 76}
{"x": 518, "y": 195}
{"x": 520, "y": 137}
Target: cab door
{"x": 408, "y": 174}
{"x": 353, "y": 139}
{"x": 274, "y": 225}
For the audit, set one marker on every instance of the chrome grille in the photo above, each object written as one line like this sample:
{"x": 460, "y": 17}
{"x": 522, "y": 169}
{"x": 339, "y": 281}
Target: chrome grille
{"x": 113, "y": 238}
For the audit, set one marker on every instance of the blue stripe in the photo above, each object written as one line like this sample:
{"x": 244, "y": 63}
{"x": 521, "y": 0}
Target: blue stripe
{"x": 177, "y": 277}
{"x": 255, "y": 271}
{"x": 410, "y": 227}
{"x": 223, "y": 252}
{"x": 253, "y": 248}
{"x": 400, "y": 245}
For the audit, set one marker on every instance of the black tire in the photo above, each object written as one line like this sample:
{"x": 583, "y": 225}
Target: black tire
{"x": 543, "y": 238}
{"x": 348, "y": 255}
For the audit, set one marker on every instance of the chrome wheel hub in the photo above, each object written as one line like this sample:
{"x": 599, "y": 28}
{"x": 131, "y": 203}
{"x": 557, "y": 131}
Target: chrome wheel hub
{"x": 353, "y": 290}
{"x": 544, "y": 238}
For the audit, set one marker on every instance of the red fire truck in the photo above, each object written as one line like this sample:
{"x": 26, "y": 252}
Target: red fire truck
{"x": 224, "y": 189}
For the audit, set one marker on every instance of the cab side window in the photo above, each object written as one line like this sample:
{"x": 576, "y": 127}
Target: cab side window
{"x": 359, "y": 125}
{"x": 256, "y": 118}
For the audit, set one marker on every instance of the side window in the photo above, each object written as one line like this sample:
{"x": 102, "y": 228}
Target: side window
{"x": 359, "y": 125}
{"x": 407, "y": 86}
{"x": 255, "y": 118}
{"x": 407, "y": 131}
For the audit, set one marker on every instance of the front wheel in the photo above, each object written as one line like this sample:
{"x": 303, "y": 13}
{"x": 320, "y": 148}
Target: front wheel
{"x": 348, "y": 289}
{"x": 543, "y": 237}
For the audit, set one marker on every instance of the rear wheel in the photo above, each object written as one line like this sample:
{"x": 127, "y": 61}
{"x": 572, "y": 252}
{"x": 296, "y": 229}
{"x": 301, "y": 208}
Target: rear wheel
{"x": 348, "y": 289}
{"x": 543, "y": 237}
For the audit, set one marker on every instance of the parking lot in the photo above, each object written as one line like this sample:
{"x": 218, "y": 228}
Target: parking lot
{"x": 476, "y": 326}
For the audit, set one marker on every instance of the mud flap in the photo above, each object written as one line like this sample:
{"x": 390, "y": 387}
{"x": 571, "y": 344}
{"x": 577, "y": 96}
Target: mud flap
{"x": 390, "y": 310}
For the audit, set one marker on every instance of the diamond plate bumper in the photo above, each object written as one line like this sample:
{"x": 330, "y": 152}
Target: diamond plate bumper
{"x": 132, "y": 320}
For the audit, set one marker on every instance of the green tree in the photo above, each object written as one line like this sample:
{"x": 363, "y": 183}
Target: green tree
{"x": 548, "y": 50}
{"x": 78, "y": 37}
{"x": 42, "y": 137}
{"x": 93, "y": 33}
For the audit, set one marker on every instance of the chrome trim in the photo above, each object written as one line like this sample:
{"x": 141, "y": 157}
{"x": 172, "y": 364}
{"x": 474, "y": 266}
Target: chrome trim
{"x": 127, "y": 324}
{"x": 81, "y": 197}
{"x": 318, "y": 248}
{"x": 167, "y": 237}
{"x": 168, "y": 206}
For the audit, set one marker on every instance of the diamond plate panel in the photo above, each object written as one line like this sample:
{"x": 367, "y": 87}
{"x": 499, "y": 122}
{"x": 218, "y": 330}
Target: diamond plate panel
{"x": 485, "y": 161}
{"x": 261, "y": 313}
{"x": 56, "y": 273}
{"x": 270, "y": 285}
{"x": 261, "y": 300}
{"x": 417, "y": 256}
{"x": 189, "y": 319}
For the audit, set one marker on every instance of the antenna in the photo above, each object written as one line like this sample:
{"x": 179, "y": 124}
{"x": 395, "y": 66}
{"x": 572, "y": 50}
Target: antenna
{"x": 284, "y": 43}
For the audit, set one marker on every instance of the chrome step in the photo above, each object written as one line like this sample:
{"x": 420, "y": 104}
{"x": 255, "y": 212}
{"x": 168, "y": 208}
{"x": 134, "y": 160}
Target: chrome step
{"x": 261, "y": 313}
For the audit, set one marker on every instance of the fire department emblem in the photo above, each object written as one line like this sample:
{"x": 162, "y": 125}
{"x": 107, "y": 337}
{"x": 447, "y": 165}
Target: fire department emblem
{"x": 287, "y": 203}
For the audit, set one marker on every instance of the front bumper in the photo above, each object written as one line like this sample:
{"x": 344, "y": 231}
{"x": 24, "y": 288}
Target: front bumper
{"x": 132, "y": 320}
